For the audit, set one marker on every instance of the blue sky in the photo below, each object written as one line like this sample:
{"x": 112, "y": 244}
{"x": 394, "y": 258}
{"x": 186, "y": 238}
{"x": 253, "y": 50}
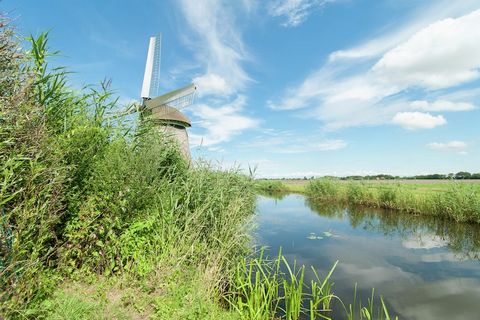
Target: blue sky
{"x": 292, "y": 87}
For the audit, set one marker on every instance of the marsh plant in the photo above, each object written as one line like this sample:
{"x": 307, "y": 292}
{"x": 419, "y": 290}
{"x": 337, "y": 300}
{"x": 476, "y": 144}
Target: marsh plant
{"x": 265, "y": 288}
{"x": 460, "y": 202}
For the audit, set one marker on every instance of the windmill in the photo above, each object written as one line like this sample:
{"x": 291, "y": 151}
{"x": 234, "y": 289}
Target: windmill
{"x": 164, "y": 110}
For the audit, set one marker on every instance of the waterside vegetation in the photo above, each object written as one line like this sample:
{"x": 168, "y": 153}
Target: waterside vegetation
{"x": 457, "y": 201}
{"x": 100, "y": 220}
{"x": 454, "y": 199}
{"x": 82, "y": 196}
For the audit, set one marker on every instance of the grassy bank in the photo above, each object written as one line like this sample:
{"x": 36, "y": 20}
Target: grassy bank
{"x": 296, "y": 186}
{"x": 102, "y": 220}
{"x": 456, "y": 200}
{"x": 85, "y": 197}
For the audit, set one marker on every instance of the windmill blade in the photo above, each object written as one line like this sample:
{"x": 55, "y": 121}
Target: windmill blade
{"x": 151, "y": 78}
{"x": 178, "y": 99}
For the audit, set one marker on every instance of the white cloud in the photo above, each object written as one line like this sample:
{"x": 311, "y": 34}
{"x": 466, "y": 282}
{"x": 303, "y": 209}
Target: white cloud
{"x": 295, "y": 11}
{"x": 454, "y": 145}
{"x": 221, "y": 124}
{"x": 291, "y": 142}
{"x": 212, "y": 83}
{"x": 418, "y": 120}
{"x": 441, "y": 105}
{"x": 443, "y": 54}
{"x": 427, "y": 14}
{"x": 331, "y": 145}
{"x": 220, "y": 51}
{"x": 308, "y": 147}
{"x": 219, "y": 47}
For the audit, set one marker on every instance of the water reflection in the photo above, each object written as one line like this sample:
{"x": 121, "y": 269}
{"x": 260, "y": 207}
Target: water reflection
{"x": 277, "y": 195}
{"x": 427, "y": 268}
{"x": 418, "y": 231}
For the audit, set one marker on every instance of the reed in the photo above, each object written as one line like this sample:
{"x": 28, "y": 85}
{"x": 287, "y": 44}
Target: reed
{"x": 460, "y": 202}
{"x": 274, "y": 289}
{"x": 82, "y": 194}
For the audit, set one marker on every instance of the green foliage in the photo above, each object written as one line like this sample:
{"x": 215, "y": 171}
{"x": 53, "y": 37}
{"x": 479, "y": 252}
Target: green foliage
{"x": 324, "y": 188}
{"x": 387, "y": 198}
{"x": 265, "y": 289}
{"x": 80, "y": 196}
{"x": 457, "y": 201}
{"x": 270, "y": 186}
{"x": 63, "y": 306}
{"x": 358, "y": 194}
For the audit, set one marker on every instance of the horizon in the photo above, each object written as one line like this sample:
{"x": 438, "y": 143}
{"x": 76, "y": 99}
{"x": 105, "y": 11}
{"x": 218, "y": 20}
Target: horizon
{"x": 292, "y": 88}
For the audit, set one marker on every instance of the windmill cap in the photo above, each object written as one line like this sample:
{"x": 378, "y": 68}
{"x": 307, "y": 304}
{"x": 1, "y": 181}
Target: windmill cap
{"x": 167, "y": 115}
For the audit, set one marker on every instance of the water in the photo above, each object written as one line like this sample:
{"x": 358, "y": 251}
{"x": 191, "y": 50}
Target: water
{"x": 425, "y": 268}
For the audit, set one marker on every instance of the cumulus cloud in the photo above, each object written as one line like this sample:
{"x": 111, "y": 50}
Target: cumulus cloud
{"x": 443, "y": 54}
{"x": 211, "y": 83}
{"x": 418, "y": 120}
{"x": 295, "y": 12}
{"x": 442, "y": 105}
{"x": 221, "y": 124}
{"x": 454, "y": 145}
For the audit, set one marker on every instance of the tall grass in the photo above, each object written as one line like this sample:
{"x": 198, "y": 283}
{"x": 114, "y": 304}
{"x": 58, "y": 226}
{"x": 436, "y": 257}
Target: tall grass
{"x": 460, "y": 202}
{"x": 80, "y": 193}
{"x": 83, "y": 196}
{"x": 269, "y": 186}
{"x": 265, "y": 288}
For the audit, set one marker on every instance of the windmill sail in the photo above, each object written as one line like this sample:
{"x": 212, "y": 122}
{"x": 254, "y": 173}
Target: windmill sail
{"x": 151, "y": 78}
{"x": 163, "y": 110}
{"x": 178, "y": 99}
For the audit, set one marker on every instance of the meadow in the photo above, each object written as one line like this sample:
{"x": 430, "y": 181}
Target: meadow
{"x": 104, "y": 220}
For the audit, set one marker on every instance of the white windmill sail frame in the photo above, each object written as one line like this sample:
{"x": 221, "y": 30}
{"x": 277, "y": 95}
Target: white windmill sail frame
{"x": 178, "y": 99}
{"x": 152, "y": 100}
{"x": 151, "y": 78}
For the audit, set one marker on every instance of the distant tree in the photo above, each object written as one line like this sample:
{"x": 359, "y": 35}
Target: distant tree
{"x": 463, "y": 175}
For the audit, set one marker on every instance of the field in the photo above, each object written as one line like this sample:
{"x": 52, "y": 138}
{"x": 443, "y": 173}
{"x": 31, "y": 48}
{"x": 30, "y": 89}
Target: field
{"x": 420, "y": 186}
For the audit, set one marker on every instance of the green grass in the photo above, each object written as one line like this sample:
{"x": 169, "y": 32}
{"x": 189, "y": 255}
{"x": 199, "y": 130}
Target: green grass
{"x": 83, "y": 193}
{"x": 275, "y": 289}
{"x": 295, "y": 186}
{"x": 455, "y": 200}
{"x": 102, "y": 220}
{"x": 417, "y": 186}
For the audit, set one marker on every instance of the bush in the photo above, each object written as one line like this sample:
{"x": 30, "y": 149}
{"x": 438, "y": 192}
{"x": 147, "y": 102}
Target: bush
{"x": 270, "y": 186}
{"x": 323, "y": 188}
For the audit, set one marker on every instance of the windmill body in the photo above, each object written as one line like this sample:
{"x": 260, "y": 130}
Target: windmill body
{"x": 164, "y": 110}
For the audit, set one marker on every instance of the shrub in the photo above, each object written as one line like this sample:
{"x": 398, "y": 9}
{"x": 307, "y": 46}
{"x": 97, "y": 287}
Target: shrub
{"x": 323, "y": 188}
